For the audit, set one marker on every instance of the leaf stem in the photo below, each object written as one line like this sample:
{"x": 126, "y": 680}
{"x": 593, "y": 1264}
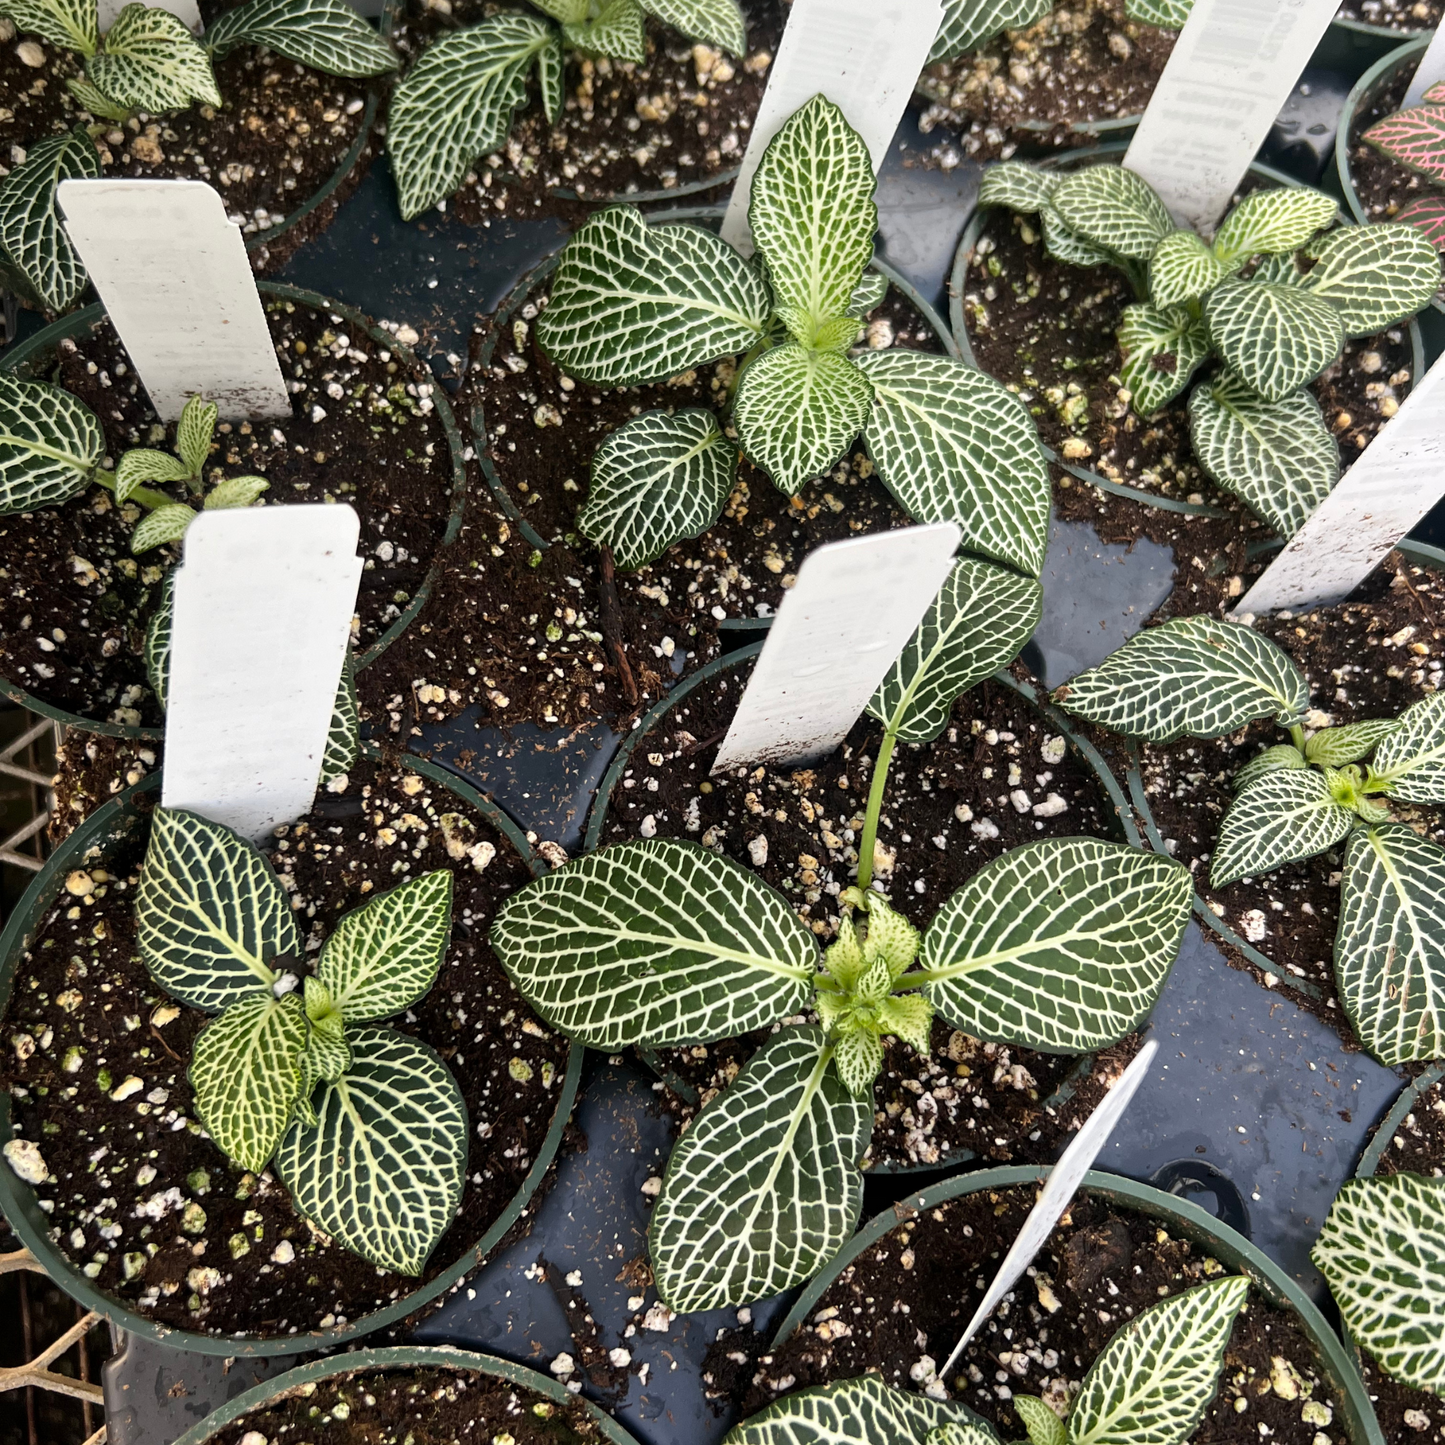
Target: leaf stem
{"x": 875, "y": 807}
{"x": 148, "y": 499}
{"x": 1297, "y": 736}
{"x": 761, "y": 345}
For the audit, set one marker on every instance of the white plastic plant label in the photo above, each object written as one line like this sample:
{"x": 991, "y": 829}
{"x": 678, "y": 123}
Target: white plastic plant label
{"x": 1430, "y": 71}
{"x": 854, "y": 606}
{"x": 175, "y": 278}
{"x": 1229, "y": 75}
{"x": 1398, "y": 479}
{"x": 186, "y": 11}
{"x": 263, "y": 608}
{"x": 1067, "y": 1175}
{"x": 864, "y": 55}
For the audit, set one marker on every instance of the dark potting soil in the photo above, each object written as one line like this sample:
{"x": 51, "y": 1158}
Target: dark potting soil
{"x": 901, "y": 1306}
{"x": 1406, "y": 1416}
{"x": 363, "y": 430}
{"x": 1084, "y": 61}
{"x": 681, "y": 118}
{"x": 89, "y": 771}
{"x": 1418, "y": 1145}
{"x": 139, "y": 1197}
{"x": 1393, "y": 14}
{"x": 279, "y": 137}
{"x": 423, "y": 1406}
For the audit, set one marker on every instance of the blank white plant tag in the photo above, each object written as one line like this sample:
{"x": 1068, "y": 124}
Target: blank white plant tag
{"x": 1228, "y": 77}
{"x": 1430, "y": 70}
{"x": 264, "y": 601}
{"x": 864, "y": 55}
{"x": 1066, "y": 1177}
{"x": 186, "y": 11}
{"x": 854, "y": 606}
{"x": 176, "y": 281}
{"x": 1398, "y": 479}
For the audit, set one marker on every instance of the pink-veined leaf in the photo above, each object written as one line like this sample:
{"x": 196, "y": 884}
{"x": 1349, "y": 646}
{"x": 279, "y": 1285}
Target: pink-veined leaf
{"x": 1427, "y": 213}
{"x": 1414, "y": 137}
{"x": 1436, "y": 94}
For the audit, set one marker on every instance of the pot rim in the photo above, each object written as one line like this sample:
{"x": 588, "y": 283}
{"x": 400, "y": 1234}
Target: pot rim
{"x": 1385, "y": 1129}
{"x": 31, "y": 355}
{"x": 399, "y": 1357}
{"x": 109, "y": 824}
{"x": 1193, "y": 1222}
{"x": 1376, "y": 32}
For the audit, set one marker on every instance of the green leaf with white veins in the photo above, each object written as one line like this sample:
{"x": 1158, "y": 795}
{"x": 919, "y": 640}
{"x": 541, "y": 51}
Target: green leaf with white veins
{"x": 384, "y": 956}
{"x": 70, "y": 24}
{"x": 1154, "y": 1380}
{"x": 618, "y": 32}
{"x": 1286, "y": 815}
{"x": 1183, "y": 268}
{"x": 632, "y": 303}
{"x": 861, "y": 1411}
{"x": 151, "y": 62}
{"x": 1281, "y": 755}
{"x": 1167, "y": 14}
{"x": 1412, "y": 755}
{"x": 550, "y": 61}
{"x": 327, "y": 35}
{"x": 718, "y": 22}
{"x": 1044, "y": 1427}
{"x": 1062, "y": 945}
{"x": 812, "y": 213}
{"x": 567, "y": 12}
{"x": 382, "y": 1170}
{"x": 235, "y": 492}
{"x": 194, "y": 430}
{"x": 158, "y": 640}
{"x": 210, "y": 914}
{"x": 1338, "y": 746}
{"x": 95, "y": 102}
{"x": 31, "y": 234}
{"x": 658, "y": 941}
{"x": 456, "y": 104}
{"x": 977, "y": 624}
{"x": 1390, "y": 945}
{"x": 1272, "y": 222}
{"x": 343, "y": 736}
{"x": 764, "y": 1188}
{"x": 144, "y": 464}
{"x": 797, "y": 411}
{"x": 967, "y": 24}
{"x": 1113, "y": 208}
{"x": 1162, "y": 350}
{"x": 1375, "y": 275}
{"x": 165, "y": 524}
{"x": 1015, "y": 185}
{"x": 1274, "y": 338}
{"x": 1382, "y": 1249}
{"x": 1062, "y": 244}
{"x": 662, "y": 477}
{"x": 245, "y": 1076}
{"x": 50, "y": 444}
{"x": 1197, "y": 675}
{"x": 954, "y": 445}
{"x": 868, "y": 293}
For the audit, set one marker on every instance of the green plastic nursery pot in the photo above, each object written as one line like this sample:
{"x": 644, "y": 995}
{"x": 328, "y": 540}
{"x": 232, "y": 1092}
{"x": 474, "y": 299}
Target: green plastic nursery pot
{"x": 32, "y": 358}
{"x": 399, "y": 1358}
{"x": 1353, "y": 39}
{"x": 1385, "y": 1131}
{"x": 95, "y": 839}
{"x": 1176, "y": 1214}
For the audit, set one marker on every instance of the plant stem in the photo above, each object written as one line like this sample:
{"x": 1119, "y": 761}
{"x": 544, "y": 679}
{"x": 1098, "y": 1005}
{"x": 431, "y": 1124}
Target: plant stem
{"x": 148, "y": 499}
{"x": 1297, "y": 736}
{"x": 875, "y": 807}
{"x": 754, "y": 351}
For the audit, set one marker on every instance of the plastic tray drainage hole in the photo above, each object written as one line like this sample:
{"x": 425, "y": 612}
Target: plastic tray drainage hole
{"x": 1210, "y": 1188}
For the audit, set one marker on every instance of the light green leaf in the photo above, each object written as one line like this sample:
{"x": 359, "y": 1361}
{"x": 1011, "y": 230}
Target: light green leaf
{"x": 1390, "y": 945}
{"x": 382, "y": 1170}
{"x": 1013, "y": 184}
{"x": 384, "y": 956}
{"x": 1348, "y": 744}
{"x": 1275, "y": 222}
{"x": 343, "y": 736}
{"x": 246, "y": 1078}
{"x": 954, "y": 445}
{"x": 1412, "y": 755}
{"x": 1062, "y": 244}
{"x": 151, "y": 62}
{"x": 798, "y": 411}
{"x": 618, "y": 32}
{"x": 235, "y": 492}
{"x": 142, "y": 465}
{"x": 50, "y": 444}
{"x": 977, "y": 624}
{"x": 1287, "y": 814}
{"x": 858, "y": 1057}
{"x": 31, "y": 234}
{"x": 764, "y": 1188}
{"x": 327, "y": 35}
{"x": 330, "y": 1056}
{"x": 1113, "y": 208}
{"x": 1183, "y": 268}
{"x": 194, "y": 430}
{"x": 70, "y": 24}
{"x": 868, "y": 293}
{"x": 658, "y": 479}
{"x": 211, "y": 918}
{"x": 95, "y": 101}
{"x": 657, "y": 941}
{"x": 165, "y": 524}
{"x": 1278, "y": 457}
{"x": 974, "y": 1432}
{"x": 1162, "y": 350}
{"x": 908, "y": 1017}
{"x": 1382, "y": 1250}
{"x": 568, "y": 12}
{"x": 1062, "y": 945}
{"x": 1375, "y": 275}
{"x": 1197, "y": 675}
{"x": 1281, "y": 755}
{"x": 718, "y": 22}
{"x": 861, "y": 1411}
{"x": 456, "y": 103}
{"x": 1154, "y": 1380}
{"x": 632, "y": 303}
{"x": 1044, "y": 1427}
{"x": 967, "y": 24}
{"x": 158, "y": 640}
{"x": 1274, "y": 338}
{"x": 1167, "y": 14}
{"x": 1282, "y": 270}
{"x": 550, "y": 62}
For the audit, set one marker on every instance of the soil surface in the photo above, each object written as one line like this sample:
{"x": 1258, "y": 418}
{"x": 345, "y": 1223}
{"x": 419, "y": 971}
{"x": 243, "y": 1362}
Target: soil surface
{"x": 139, "y": 1197}
{"x": 425, "y": 1407}
{"x": 279, "y": 137}
{"x": 1393, "y": 14}
{"x": 679, "y": 120}
{"x": 1084, "y": 61}
{"x": 900, "y": 1307}
{"x": 75, "y": 602}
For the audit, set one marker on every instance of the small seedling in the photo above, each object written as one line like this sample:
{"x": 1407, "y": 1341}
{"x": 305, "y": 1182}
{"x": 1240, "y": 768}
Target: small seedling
{"x": 969, "y": 24}
{"x": 1415, "y": 138}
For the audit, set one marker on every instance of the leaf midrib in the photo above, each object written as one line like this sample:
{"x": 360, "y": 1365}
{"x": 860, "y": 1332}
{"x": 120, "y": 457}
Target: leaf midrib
{"x": 718, "y": 951}
{"x": 944, "y": 973}
{"x": 41, "y": 449}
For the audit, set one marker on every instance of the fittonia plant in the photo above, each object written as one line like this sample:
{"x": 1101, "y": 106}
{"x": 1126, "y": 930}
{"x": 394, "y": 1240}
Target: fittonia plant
{"x": 457, "y": 102}
{"x": 1258, "y": 339}
{"x": 1415, "y": 137}
{"x": 968, "y": 24}
{"x": 147, "y": 62}
{"x": 633, "y": 303}
{"x": 1201, "y": 677}
{"x": 364, "y": 1126}
{"x": 1150, "y": 1385}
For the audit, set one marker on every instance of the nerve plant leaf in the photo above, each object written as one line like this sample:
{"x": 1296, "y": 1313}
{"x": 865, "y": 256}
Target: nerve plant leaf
{"x": 1284, "y": 815}
{"x": 868, "y": 293}
{"x": 1167, "y": 14}
{"x": 616, "y": 31}
{"x": 1374, "y": 275}
{"x": 343, "y": 736}
{"x": 1274, "y": 338}
{"x": 1012, "y": 183}
{"x": 1162, "y": 348}
{"x": 1195, "y": 675}
{"x": 165, "y": 524}
{"x": 31, "y": 234}
{"x": 657, "y": 940}
{"x": 70, "y": 24}
{"x": 1411, "y": 754}
{"x": 718, "y": 22}
{"x": 967, "y": 24}
{"x": 1281, "y": 755}
{"x": 145, "y": 464}
{"x": 1113, "y": 208}
{"x": 327, "y": 35}
{"x": 1382, "y": 1250}
{"x": 50, "y": 444}
{"x": 151, "y": 62}
{"x": 1272, "y": 222}
{"x": 764, "y": 1188}
{"x": 158, "y": 640}
{"x": 1427, "y": 215}
{"x": 1348, "y": 744}
{"x": 1044, "y": 1427}
{"x": 1183, "y": 268}
{"x": 235, "y": 492}
{"x": 1415, "y": 137}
